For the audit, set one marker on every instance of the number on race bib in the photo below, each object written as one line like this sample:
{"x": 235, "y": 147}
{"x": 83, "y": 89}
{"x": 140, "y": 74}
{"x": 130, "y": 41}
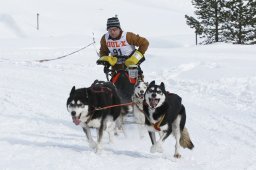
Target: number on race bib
{"x": 117, "y": 52}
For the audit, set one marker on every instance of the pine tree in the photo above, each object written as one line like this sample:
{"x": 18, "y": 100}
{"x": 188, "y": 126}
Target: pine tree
{"x": 193, "y": 23}
{"x": 209, "y": 15}
{"x": 240, "y": 21}
{"x": 225, "y": 20}
{"x": 252, "y": 22}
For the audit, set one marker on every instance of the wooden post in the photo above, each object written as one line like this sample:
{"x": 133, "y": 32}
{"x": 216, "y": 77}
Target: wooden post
{"x": 37, "y": 19}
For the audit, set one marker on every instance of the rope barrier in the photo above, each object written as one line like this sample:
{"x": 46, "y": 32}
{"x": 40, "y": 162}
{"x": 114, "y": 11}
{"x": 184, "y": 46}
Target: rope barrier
{"x": 45, "y": 60}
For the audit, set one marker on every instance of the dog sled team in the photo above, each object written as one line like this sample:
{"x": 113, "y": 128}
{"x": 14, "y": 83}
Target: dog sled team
{"x": 104, "y": 104}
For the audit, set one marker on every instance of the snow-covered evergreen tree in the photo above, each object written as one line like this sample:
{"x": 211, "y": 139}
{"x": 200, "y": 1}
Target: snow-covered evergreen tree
{"x": 240, "y": 21}
{"x": 252, "y": 22}
{"x": 225, "y": 20}
{"x": 193, "y": 23}
{"x": 209, "y": 14}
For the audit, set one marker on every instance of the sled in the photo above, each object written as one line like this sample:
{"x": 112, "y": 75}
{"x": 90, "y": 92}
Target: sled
{"x": 124, "y": 78}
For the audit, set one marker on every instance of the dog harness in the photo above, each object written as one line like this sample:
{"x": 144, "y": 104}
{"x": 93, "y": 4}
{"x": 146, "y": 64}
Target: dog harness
{"x": 155, "y": 125}
{"x": 116, "y": 77}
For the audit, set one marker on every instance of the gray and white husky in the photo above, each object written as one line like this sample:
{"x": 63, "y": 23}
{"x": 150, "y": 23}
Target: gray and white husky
{"x": 166, "y": 114}
{"x": 137, "y": 98}
{"x": 83, "y": 105}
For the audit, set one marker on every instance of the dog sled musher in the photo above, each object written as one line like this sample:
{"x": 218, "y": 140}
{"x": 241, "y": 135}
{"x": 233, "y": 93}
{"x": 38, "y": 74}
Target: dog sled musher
{"x": 121, "y": 53}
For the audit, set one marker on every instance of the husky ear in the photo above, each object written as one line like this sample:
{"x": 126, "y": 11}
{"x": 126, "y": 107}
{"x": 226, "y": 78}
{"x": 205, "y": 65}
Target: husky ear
{"x": 152, "y": 83}
{"x": 162, "y": 86}
{"x": 137, "y": 82}
{"x": 146, "y": 83}
{"x": 72, "y": 90}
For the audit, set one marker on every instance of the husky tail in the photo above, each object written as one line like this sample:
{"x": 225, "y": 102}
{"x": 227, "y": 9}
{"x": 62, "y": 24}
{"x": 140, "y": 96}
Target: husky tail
{"x": 185, "y": 140}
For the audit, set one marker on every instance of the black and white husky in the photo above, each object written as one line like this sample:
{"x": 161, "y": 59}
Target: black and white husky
{"x": 138, "y": 98}
{"x": 166, "y": 114}
{"x": 87, "y": 108}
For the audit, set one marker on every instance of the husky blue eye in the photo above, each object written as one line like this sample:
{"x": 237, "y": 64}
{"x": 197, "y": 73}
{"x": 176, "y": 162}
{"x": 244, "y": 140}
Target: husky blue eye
{"x": 150, "y": 90}
{"x": 159, "y": 92}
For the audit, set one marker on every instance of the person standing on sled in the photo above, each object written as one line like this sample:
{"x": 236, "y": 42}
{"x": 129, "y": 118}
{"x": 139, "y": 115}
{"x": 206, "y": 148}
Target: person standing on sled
{"x": 118, "y": 48}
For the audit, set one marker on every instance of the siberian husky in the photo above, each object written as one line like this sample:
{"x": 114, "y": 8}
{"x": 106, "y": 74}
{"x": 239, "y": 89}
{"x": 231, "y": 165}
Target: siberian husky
{"x": 166, "y": 114}
{"x": 137, "y": 98}
{"x": 87, "y": 108}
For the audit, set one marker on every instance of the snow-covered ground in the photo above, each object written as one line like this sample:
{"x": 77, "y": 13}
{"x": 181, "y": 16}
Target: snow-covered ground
{"x": 217, "y": 84}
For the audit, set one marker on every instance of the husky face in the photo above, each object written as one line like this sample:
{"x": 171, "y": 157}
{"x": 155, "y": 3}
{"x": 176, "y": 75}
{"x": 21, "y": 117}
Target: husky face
{"x": 77, "y": 104}
{"x": 155, "y": 95}
{"x": 140, "y": 89}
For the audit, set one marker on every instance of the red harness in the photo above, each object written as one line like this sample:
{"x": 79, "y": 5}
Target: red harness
{"x": 155, "y": 125}
{"x": 101, "y": 89}
{"x": 116, "y": 77}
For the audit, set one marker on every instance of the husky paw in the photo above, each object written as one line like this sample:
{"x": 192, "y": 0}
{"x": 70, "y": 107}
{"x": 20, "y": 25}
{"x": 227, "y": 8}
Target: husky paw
{"x": 177, "y": 155}
{"x": 92, "y": 144}
{"x": 111, "y": 141}
{"x": 156, "y": 148}
{"x": 141, "y": 133}
{"x": 98, "y": 148}
{"x": 153, "y": 149}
